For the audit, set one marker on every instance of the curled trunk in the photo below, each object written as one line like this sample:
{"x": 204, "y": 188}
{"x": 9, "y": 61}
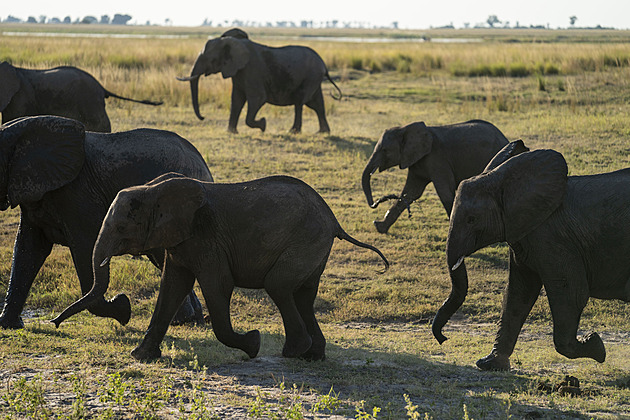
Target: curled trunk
{"x": 459, "y": 290}
{"x": 100, "y": 261}
{"x": 370, "y": 168}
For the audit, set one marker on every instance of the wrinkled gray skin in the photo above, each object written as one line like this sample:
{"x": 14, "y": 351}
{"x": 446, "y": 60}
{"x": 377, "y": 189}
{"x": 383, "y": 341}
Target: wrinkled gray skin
{"x": 444, "y": 155}
{"x": 63, "y": 91}
{"x": 570, "y": 235}
{"x": 64, "y": 180}
{"x": 290, "y": 75}
{"x": 274, "y": 233}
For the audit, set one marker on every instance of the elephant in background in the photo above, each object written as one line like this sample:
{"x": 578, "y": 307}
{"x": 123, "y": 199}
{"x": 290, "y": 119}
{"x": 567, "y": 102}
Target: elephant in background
{"x": 274, "y": 233}
{"x": 444, "y": 155}
{"x": 63, "y": 91}
{"x": 64, "y": 180}
{"x": 568, "y": 234}
{"x": 290, "y": 75}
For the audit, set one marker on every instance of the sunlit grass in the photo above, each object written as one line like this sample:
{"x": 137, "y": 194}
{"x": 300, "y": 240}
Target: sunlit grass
{"x": 377, "y": 326}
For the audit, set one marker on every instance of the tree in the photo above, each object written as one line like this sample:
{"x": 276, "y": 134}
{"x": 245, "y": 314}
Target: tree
{"x": 121, "y": 19}
{"x": 492, "y": 20}
{"x": 572, "y": 20}
{"x": 105, "y": 20}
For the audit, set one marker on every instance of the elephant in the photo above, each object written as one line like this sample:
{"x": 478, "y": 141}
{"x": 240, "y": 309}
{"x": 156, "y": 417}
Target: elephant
{"x": 274, "y": 233}
{"x": 568, "y": 234}
{"x": 64, "y": 180}
{"x": 62, "y": 91}
{"x": 290, "y": 75}
{"x": 444, "y": 155}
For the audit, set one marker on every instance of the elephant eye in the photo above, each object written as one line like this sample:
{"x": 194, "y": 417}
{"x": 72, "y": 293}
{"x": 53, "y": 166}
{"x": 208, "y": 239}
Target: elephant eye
{"x": 471, "y": 220}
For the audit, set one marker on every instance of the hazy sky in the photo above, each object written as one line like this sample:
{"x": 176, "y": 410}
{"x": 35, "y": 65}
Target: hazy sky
{"x": 409, "y": 13}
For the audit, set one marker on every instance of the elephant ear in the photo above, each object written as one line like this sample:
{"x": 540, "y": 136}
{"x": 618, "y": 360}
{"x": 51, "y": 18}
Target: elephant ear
{"x": 509, "y": 150}
{"x": 49, "y": 153}
{"x": 175, "y": 203}
{"x": 416, "y": 144}
{"x": 235, "y": 56}
{"x": 10, "y": 84}
{"x": 533, "y": 186}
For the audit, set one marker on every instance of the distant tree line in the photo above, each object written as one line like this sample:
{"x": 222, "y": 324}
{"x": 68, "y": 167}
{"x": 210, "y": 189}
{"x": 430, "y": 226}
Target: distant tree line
{"x": 118, "y": 19}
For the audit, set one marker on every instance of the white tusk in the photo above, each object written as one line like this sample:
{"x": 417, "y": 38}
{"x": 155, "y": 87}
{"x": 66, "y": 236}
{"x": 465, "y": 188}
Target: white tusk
{"x": 458, "y": 263}
{"x": 105, "y": 261}
{"x": 187, "y": 79}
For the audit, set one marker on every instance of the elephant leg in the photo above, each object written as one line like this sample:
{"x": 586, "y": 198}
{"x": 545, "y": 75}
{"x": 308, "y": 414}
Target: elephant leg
{"x": 119, "y": 307}
{"x": 568, "y": 295}
{"x": 217, "y": 292}
{"x": 238, "y": 101}
{"x": 191, "y": 310}
{"x": 298, "y": 340}
{"x": 413, "y": 189}
{"x": 317, "y": 105}
{"x": 297, "y": 120}
{"x": 445, "y": 187}
{"x": 519, "y": 297}
{"x": 30, "y": 250}
{"x": 253, "y": 106}
{"x": 304, "y": 300}
{"x": 177, "y": 281}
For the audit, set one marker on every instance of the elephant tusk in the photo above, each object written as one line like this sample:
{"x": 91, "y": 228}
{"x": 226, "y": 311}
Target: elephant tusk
{"x": 188, "y": 78}
{"x": 105, "y": 261}
{"x": 373, "y": 171}
{"x": 458, "y": 263}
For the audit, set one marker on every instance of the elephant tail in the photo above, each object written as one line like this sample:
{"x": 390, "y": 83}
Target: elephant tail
{"x": 337, "y": 98}
{"x": 343, "y": 235}
{"x": 146, "y": 102}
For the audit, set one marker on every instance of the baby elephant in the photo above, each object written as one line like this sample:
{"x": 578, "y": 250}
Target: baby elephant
{"x": 274, "y": 233}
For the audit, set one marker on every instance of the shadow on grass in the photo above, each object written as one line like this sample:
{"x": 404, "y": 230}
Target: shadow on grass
{"x": 379, "y": 379}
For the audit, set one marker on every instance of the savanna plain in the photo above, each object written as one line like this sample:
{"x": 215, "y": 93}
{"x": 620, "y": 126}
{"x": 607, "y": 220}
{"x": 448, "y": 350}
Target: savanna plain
{"x": 566, "y": 90}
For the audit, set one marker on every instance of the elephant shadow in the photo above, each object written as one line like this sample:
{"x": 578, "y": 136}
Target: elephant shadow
{"x": 363, "y": 145}
{"x": 362, "y": 374}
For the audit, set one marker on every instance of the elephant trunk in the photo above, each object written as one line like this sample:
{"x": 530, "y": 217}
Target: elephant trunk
{"x": 370, "y": 168}
{"x": 100, "y": 259}
{"x": 199, "y": 68}
{"x": 459, "y": 290}
{"x": 194, "y": 92}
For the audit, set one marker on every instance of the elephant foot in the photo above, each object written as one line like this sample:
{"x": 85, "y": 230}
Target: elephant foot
{"x": 494, "y": 362}
{"x": 262, "y": 124}
{"x": 252, "y": 343}
{"x": 324, "y": 130}
{"x": 121, "y": 308}
{"x": 232, "y": 130}
{"x": 316, "y": 352}
{"x": 146, "y": 352}
{"x": 294, "y": 130}
{"x": 11, "y": 323}
{"x": 189, "y": 312}
{"x": 594, "y": 347}
{"x": 381, "y": 226}
{"x": 297, "y": 349}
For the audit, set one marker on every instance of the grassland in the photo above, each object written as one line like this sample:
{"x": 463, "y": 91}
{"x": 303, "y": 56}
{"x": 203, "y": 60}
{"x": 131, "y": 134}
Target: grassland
{"x": 566, "y": 90}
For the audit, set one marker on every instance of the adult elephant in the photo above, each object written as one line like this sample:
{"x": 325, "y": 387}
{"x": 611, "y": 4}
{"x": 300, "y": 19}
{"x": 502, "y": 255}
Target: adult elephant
{"x": 64, "y": 180}
{"x": 444, "y": 155}
{"x": 568, "y": 234}
{"x": 63, "y": 91}
{"x": 274, "y": 233}
{"x": 290, "y": 75}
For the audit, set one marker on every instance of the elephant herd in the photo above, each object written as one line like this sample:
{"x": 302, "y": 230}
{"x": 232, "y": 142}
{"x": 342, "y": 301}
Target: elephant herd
{"x": 149, "y": 192}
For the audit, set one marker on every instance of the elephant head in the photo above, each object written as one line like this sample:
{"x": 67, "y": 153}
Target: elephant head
{"x": 226, "y": 54}
{"x": 159, "y": 214}
{"x": 38, "y": 155}
{"x": 10, "y": 84}
{"x": 505, "y": 203}
{"x": 402, "y": 146}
